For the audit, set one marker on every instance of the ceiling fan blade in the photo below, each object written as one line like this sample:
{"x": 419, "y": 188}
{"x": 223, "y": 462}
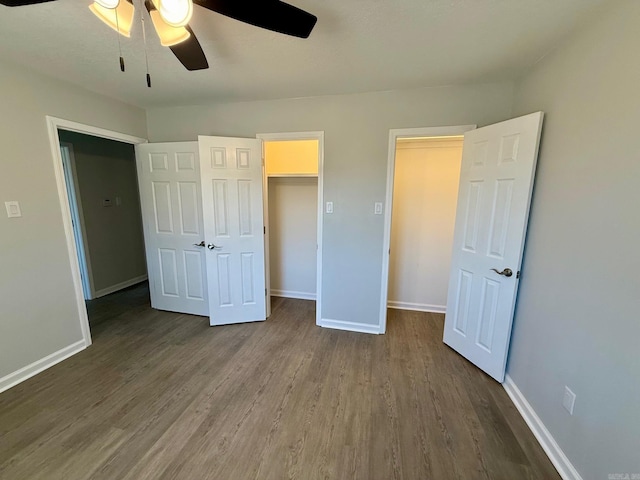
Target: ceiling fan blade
{"x": 190, "y": 53}
{"x": 21, "y": 3}
{"x": 270, "y": 14}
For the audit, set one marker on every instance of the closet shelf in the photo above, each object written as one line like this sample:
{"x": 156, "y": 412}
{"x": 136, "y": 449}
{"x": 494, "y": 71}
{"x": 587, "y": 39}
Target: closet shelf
{"x": 285, "y": 175}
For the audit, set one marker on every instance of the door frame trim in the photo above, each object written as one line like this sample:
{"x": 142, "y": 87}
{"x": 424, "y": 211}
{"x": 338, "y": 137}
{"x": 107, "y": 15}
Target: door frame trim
{"x": 312, "y": 135}
{"x": 53, "y": 125}
{"x": 394, "y": 135}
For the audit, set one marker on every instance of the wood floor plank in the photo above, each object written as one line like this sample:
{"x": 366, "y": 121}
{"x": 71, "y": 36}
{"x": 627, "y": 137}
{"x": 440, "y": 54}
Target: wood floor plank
{"x": 161, "y": 395}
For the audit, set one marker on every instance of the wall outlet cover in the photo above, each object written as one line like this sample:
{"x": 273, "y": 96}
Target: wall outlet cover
{"x": 13, "y": 209}
{"x": 377, "y": 208}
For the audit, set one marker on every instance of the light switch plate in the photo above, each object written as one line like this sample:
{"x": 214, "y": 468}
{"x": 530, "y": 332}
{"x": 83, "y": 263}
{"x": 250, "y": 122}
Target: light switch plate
{"x": 329, "y": 207}
{"x": 13, "y": 209}
{"x": 377, "y": 208}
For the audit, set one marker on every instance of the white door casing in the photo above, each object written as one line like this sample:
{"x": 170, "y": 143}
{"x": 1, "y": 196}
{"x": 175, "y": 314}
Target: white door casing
{"x": 496, "y": 180}
{"x": 231, "y": 175}
{"x": 170, "y": 198}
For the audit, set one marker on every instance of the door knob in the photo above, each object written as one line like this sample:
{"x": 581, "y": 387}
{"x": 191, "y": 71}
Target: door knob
{"x": 211, "y": 246}
{"x": 201, "y": 244}
{"x": 507, "y": 272}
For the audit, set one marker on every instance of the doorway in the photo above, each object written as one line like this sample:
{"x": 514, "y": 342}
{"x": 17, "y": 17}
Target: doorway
{"x": 68, "y": 195}
{"x": 102, "y": 188}
{"x": 293, "y": 218}
{"x": 422, "y": 188}
{"x": 425, "y": 193}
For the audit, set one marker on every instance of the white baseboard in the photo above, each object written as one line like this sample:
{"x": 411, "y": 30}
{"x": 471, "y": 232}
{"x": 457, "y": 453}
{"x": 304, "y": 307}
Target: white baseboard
{"x": 418, "y": 307}
{"x": 560, "y": 461}
{"x": 119, "y": 286}
{"x": 292, "y": 294}
{"x": 38, "y": 366}
{"x": 350, "y": 326}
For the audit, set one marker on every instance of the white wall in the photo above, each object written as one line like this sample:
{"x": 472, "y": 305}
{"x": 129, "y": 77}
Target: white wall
{"x": 107, "y": 169}
{"x": 576, "y": 322}
{"x": 38, "y": 314}
{"x": 356, "y": 141}
{"x": 425, "y": 195}
{"x": 293, "y": 213}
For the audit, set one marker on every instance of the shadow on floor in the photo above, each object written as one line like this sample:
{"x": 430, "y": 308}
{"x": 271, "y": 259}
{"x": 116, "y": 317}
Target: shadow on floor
{"x": 106, "y": 308}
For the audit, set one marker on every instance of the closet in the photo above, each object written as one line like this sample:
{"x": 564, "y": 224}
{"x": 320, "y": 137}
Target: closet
{"x": 291, "y": 168}
{"x": 425, "y": 194}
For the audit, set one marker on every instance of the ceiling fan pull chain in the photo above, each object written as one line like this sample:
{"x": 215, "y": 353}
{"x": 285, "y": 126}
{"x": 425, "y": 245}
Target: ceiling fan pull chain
{"x": 119, "y": 44}
{"x": 144, "y": 39}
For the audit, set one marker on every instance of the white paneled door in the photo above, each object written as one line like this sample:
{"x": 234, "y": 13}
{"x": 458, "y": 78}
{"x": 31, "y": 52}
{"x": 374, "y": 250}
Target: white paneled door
{"x": 169, "y": 183}
{"x": 231, "y": 175}
{"x": 496, "y": 180}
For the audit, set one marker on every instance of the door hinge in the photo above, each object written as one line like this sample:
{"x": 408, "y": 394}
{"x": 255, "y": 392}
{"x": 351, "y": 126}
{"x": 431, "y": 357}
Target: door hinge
{"x": 264, "y": 229}
{"x": 518, "y": 274}
{"x": 265, "y": 292}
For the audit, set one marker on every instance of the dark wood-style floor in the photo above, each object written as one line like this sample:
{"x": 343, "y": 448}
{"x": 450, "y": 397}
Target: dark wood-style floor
{"x": 163, "y": 396}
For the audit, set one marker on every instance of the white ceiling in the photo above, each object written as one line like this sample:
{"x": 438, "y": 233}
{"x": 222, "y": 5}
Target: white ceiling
{"x": 357, "y": 46}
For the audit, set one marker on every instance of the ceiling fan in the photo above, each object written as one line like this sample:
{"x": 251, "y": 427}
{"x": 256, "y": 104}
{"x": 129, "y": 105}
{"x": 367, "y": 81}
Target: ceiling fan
{"x": 170, "y": 19}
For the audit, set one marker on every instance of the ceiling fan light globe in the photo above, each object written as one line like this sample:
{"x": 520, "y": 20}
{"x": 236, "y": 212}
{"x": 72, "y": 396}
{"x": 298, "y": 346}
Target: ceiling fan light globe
{"x": 176, "y": 13}
{"x": 108, "y": 3}
{"x": 169, "y": 36}
{"x": 120, "y": 18}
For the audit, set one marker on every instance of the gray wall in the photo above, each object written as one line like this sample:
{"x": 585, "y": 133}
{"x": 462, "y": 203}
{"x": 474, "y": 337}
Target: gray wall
{"x": 38, "y": 314}
{"x": 356, "y": 141}
{"x": 577, "y": 317}
{"x": 107, "y": 169}
{"x": 577, "y": 321}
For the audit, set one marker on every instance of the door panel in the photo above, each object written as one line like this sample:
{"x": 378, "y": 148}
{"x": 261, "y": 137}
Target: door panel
{"x": 231, "y": 175}
{"x": 189, "y": 208}
{"x": 168, "y": 272}
{"x": 169, "y": 182}
{"x": 498, "y": 166}
{"x": 193, "y": 273}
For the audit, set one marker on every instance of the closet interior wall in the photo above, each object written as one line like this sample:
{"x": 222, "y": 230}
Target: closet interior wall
{"x": 427, "y": 173}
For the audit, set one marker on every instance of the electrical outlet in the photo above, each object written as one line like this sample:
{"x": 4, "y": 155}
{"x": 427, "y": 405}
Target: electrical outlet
{"x": 569, "y": 400}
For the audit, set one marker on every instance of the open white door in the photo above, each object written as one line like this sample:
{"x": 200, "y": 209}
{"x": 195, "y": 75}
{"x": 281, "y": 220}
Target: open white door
{"x": 496, "y": 180}
{"x": 231, "y": 175}
{"x": 169, "y": 183}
